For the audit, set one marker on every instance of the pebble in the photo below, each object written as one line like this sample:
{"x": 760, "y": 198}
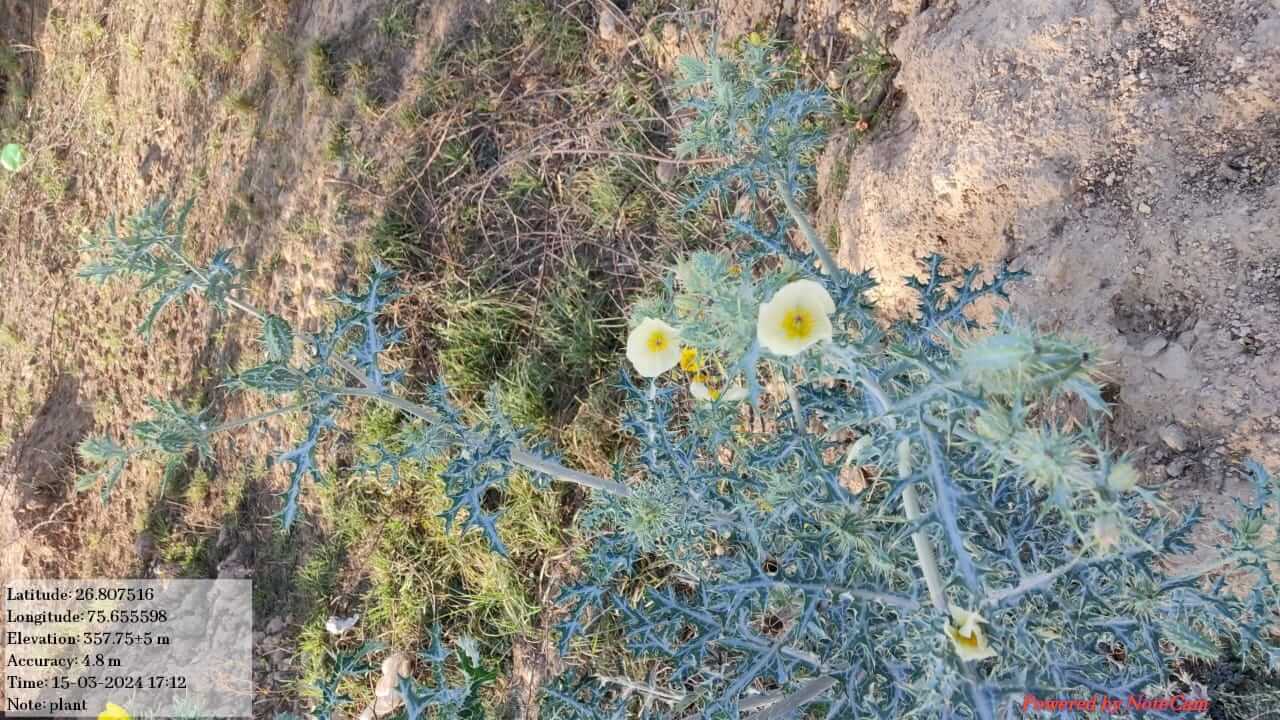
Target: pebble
{"x": 1144, "y": 208}
{"x": 609, "y": 23}
{"x": 1174, "y": 437}
{"x": 1153, "y": 346}
{"x": 834, "y": 80}
{"x": 1178, "y": 466}
{"x": 1174, "y": 363}
{"x": 276, "y": 626}
{"x": 145, "y": 546}
{"x": 666, "y": 172}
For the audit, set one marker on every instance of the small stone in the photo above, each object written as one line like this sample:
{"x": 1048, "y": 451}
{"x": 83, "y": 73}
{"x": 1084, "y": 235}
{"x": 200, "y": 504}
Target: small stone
{"x": 1144, "y": 208}
{"x": 336, "y": 625}
{"x": 1178, "y": 466}
{"x": 666, "y": 172}
{"x": 1174, "y": 363}
{"x": 610, "y": 23}
{"x": 167, "y": 570}
{"x": 1153, "y": 346}
{"x": 145, "y": 546}
{"x": 1174, "y": 437}
{"x": 835, "y": 80}
{"x": 276, "y": 626}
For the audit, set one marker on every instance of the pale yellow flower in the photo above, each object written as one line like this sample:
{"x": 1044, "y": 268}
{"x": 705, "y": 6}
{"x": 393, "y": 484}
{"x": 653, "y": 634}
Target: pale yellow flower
{"x": 797, "y": 316}
{"x": 966, "y": 636}
{"x": 113, "y": 712}
{"x": 653, "y": 347}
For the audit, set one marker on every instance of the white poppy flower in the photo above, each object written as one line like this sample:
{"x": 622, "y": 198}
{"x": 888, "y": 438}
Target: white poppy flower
{"x": 967, "y": 638}
{"x": 700, "y": 391}
{"x": 653, "y": 347}
{"x": 797, "y": 316}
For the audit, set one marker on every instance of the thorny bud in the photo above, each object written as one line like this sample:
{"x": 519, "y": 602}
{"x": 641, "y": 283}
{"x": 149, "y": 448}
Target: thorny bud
{"x": 1122, "y": 478}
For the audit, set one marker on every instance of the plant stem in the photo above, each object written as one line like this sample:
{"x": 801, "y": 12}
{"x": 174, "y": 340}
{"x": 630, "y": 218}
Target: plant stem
{"x": 234, "y": 424}
{"x": 924, "y": 550}
{"x": 946, "y": 512}
{"x": 925, "y": 557}
{"x": 802, "y": 221}
{"x": 519, "y": 455}
{"x": 784, "y": 705}
{"x": 794, "y": 398}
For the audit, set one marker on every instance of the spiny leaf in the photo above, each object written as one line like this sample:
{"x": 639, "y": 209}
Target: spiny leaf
{"x": 1191, "y": 641}
{"x": 271, "y": 377}
{"x": 277, "y": 338}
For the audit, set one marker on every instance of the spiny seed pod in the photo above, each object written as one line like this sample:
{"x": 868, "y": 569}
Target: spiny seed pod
{"x": 997, "y": 354}
{"x": 1049, "y": 459}
{"x": 1122, "y": 477}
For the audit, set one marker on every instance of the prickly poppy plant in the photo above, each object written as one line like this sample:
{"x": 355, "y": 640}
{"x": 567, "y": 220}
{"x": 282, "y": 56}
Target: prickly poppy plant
{"x": 823, "y": 513}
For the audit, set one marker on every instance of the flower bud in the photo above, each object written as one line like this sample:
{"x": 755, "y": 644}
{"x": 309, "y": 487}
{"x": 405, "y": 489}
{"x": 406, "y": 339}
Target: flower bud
{"x": 1122, "y": 477}
{"x": 997, "y": 353}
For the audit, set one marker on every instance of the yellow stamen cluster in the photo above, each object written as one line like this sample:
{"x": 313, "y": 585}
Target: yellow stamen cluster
{"x": 689, "y": 360}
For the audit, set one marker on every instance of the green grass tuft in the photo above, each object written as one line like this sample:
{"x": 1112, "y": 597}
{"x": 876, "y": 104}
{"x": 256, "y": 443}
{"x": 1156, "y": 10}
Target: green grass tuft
{"x": 561, "y": 38}
{"x": 397, "y": 23}
{"x": 321, "y": 68}
{"x": 396, "y": 239}
{"x": 477, "y": 338}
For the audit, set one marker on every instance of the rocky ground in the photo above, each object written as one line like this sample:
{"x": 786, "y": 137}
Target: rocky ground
{"x": 1126, "y": 154}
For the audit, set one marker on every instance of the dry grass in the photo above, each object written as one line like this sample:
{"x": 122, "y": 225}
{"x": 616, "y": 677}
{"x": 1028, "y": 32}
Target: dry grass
{"x": 517, "y": 155}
